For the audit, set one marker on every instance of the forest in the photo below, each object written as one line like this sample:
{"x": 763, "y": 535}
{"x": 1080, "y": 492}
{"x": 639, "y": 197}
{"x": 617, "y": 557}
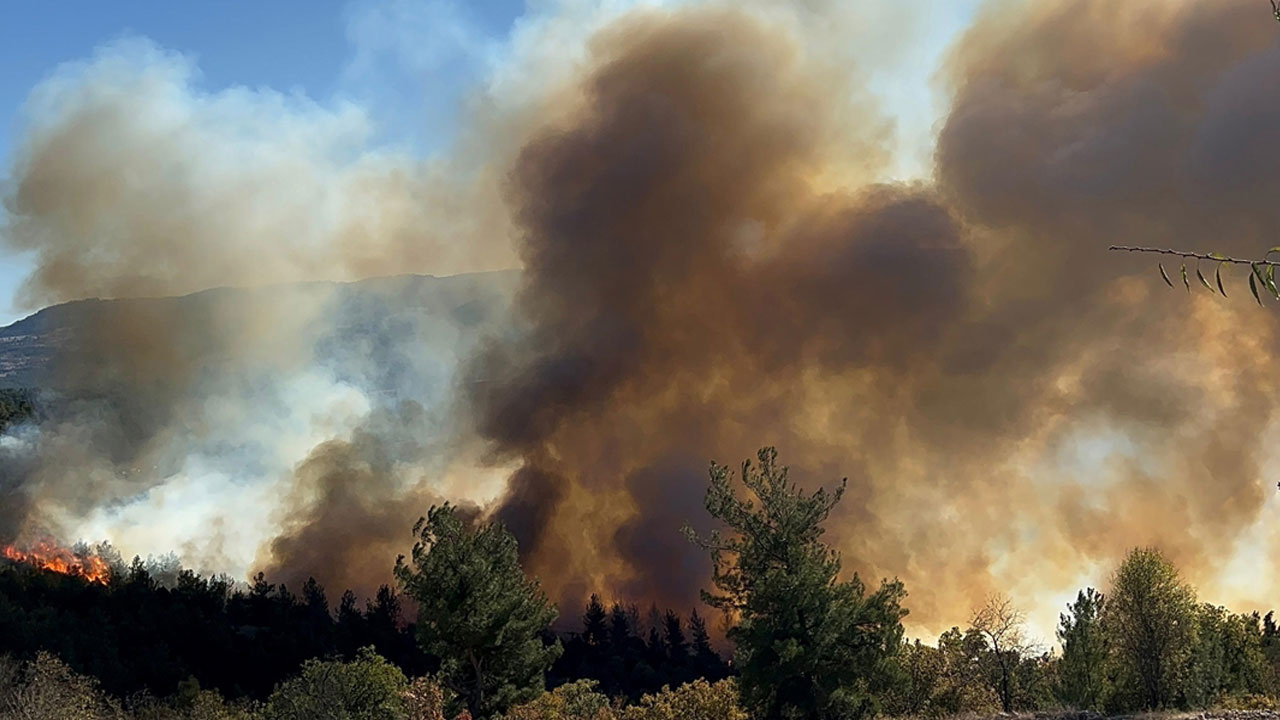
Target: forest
{"x": 464, "y": 633}
{"x": 16, "y": 405}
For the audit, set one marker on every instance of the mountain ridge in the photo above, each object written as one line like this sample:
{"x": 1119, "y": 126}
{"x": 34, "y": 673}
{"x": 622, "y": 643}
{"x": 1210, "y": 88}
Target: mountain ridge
{"x": 30, "y": 346}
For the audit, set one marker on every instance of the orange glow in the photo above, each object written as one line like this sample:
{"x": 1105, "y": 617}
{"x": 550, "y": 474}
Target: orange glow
{"x": 49, "y": 556}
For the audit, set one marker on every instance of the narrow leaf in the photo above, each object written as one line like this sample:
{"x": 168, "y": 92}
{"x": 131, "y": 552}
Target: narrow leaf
{"x": 1185, "y": 282}
{"x": 1218, "y": 275}
{"x": 1257, "y": 273}
{"x": 1164, "y": 275}
{"x": 1271, "y": 282}
{"x": 1253, "y": 288}
{"x": 1202, "y": 280}
{"x": 1275, "y": 249}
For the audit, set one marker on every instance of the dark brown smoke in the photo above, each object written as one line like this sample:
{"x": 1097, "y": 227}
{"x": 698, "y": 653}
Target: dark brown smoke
{"x": 685, "y": 284}
{"x": 713, "y": 262}
{"x": 347, "y": 520}
{"x": 1013, "y": 405}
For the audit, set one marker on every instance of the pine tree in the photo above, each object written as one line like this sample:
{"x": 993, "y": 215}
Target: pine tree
{"x": 655, "y": 648}
{"x": 808, "y": 645}
{"x": 594, "y": 623}
{"x": 314, "y": 598}
{"x": 707, "y": 662}
{"x": 478, "y": 612}
{"x": 1084, "y": 651}
{"x": 619, "y": 629}
{"x": 677, "y": 646}
{"x": 350, "y": 628}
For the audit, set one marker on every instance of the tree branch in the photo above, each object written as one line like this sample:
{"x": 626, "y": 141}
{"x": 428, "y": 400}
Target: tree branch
{"x": 1199, "y": 256}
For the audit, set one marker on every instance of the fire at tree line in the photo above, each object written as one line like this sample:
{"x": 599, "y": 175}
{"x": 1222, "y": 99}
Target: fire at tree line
{"x": 84, "y": 636}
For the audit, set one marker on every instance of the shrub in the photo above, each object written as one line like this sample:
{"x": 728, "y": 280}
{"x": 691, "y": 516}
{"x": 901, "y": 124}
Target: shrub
{"x": 367, "y": 688}
{"x": 698, "y": 699}
{"x": 1249, "y": 702}
{"x": 426, "y": 699}
{"x": 47, "y": 689}
{"x": 580, "y": 700}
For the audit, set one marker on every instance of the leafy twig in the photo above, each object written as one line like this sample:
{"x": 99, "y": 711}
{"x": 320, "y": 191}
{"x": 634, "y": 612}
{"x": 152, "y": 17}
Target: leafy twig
{"x": 1216, "y": 257}
{"x": 1257, "y": 274}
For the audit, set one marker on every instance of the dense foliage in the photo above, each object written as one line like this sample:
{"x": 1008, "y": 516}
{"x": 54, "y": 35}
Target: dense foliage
{"x": 807, "y": 644}
{"x": 143, "y": 631}
{"x": 15, "y": 406}
{"x": 626, "y": 659}
{"x": 367, "y": 688}
{"x": 478, "y": 612}
{"x": 160, "y": 643}
{"x": 1084, "y": 651}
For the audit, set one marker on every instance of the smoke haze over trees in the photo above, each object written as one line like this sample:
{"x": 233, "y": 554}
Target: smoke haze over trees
{"x": 713, "y": 251}
{"x": 805, "y": 644}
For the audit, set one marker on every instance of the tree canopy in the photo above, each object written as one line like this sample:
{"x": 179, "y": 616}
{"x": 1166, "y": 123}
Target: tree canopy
{"x": 1150, "y": 621}
{"x": 367, "y": 688}
{"x": 478, "y": 612}
{"x": 808, "y": 645}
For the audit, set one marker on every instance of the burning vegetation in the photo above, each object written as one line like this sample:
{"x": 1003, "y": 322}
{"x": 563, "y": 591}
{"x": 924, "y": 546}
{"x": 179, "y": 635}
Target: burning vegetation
{"x": 48, "y": 555}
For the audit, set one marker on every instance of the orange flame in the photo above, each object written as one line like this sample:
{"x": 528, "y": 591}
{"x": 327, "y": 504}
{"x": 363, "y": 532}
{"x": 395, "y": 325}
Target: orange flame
{"x": 49, "y": 556}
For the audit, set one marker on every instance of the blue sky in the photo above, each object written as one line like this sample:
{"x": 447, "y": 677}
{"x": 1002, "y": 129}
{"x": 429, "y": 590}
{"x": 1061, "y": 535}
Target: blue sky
{"x": 407, "y": 63}
{"x": 294, "y": 46}
{"x": 235, "y": 42}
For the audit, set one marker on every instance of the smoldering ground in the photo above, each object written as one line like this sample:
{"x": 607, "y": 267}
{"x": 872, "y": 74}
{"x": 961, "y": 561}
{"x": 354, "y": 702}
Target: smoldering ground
{"x": 710, "y": 264}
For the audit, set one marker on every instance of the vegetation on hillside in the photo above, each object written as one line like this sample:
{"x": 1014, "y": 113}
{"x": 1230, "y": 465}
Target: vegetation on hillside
{"x": 16, "y": 405}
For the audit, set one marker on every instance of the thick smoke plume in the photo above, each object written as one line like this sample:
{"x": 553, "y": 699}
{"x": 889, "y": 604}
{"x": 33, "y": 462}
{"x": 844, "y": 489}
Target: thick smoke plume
{"x": 712, "y": 262}
{"x": 1014, "y": 407}
{"x": 224, "y": 418}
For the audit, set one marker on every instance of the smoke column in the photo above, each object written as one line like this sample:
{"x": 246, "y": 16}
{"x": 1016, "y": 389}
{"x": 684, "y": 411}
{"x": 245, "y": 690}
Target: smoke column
{"x": 1013, "y": 406}
{"x": 712, "y": 260}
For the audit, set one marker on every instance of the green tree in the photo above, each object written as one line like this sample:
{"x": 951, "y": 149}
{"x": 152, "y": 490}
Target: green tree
{"x": 707, "y": 662}
{"x": 478, "y": 612}
{"x": 1247, "y": 667}
{"x": 962, "y": 687}
{"x": 1084, "y": 651}
{"x": 807, "y": 644}
{"x": 595, "y": 623}
{"x": 921, "y": 671}
{"x": 673, "y": 638}
{"x": 367, "y": 688}
{"x": 15, "y": 407}
{"x": 1226, "y": 658}
{"x": 1150, "y": 627}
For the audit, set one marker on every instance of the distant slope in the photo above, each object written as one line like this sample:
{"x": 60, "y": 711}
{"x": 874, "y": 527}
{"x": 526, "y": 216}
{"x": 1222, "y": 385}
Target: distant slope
{"x": 365, "y": 316}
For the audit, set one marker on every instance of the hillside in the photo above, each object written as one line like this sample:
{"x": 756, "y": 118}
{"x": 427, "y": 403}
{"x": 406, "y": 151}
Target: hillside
{"x": 370, "y": 314}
